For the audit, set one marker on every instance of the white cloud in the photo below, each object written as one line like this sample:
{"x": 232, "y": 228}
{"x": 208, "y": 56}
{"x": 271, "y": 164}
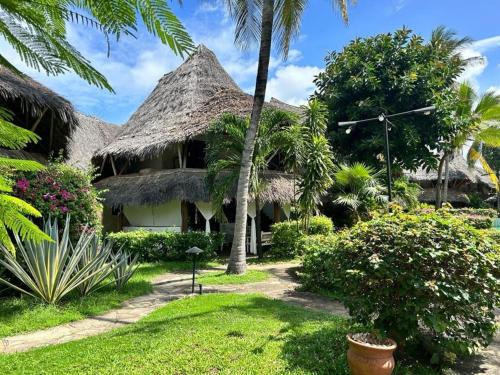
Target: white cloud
{"x": 292, "y": 84}
{"x": 479, "y": 62}
{"x": 495, "y": 89}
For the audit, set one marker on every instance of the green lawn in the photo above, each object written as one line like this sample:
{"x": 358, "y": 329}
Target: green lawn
{"x": 208, "y": 334}
{"x": 221, "y": 278}
{"x": 24, "y": 314}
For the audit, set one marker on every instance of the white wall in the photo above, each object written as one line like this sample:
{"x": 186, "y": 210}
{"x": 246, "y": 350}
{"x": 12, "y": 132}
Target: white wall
{"x": 165, "y": 215}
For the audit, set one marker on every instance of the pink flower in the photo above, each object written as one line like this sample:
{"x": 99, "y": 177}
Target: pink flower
{"x": 23, "y": 184}
{"x": 66, "y": 195}
{"x": 46, "y": 196}
{"x": 64, "y": 209}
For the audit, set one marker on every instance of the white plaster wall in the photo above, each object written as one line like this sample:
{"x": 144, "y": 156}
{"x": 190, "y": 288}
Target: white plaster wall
{"x": 165, "y": 215}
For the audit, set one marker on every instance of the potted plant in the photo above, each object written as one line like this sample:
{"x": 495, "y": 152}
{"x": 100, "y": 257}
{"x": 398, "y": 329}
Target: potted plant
{"x": 369, "y": 354}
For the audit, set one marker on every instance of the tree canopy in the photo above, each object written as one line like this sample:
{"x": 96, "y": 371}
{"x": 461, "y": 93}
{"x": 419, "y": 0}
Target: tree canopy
{"x": 391, "y": 73}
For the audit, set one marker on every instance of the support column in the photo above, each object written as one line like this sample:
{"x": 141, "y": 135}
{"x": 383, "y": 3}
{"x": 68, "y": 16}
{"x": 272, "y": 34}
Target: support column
{"x": 184, "y": 217}
{"x": 276, "y": 212}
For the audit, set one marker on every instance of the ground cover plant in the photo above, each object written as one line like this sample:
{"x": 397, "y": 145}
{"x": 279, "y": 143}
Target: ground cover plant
{"x": 213, "y": 333}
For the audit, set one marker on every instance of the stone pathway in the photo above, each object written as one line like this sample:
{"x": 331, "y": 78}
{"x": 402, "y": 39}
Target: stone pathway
{"x": 281, "y": 285}
{"x": 166, "y": 288}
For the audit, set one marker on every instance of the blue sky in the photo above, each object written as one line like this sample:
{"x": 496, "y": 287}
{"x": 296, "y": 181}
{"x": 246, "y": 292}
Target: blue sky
{"x": 135, "y": 65}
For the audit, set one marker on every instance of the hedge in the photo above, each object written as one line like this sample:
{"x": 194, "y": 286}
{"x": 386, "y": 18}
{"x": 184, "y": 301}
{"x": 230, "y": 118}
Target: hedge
{"x": 428, "y": 281}
{"x": 287, "y": 236}
{"x": 155, "y": 246}
{"x": 479, "y": 218}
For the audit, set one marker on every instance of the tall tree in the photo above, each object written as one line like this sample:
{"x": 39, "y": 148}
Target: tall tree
{"x": 316, "y": 161}
{"x": 482, "y": 114}
{"x": 37, "y": 30}
{"x": 261, "y": 21}
{"x": 391, "y": 73}
{"x": 225, "y": 143}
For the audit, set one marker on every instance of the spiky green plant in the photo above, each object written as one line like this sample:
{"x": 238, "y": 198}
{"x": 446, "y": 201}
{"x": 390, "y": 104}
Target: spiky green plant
{"x": 358, "y": 188}
{"x": 124, "y": 267}
{"x": 37, "y": 31}
{"x": 99, "y": 254}
{"x": 50, "y": 269}
{"x": 13, "y": 210}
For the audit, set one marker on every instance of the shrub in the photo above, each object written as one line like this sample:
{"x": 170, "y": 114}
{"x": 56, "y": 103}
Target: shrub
{"x": 425, "y": 280}
{"x": 285, "y": 238}
{"x": 479, "y": 218}
{"x": 60, "y": 190}
{"x": 155, "y": 246}
{"x": 318, "y": 262}
{"x": 320, "y": 225}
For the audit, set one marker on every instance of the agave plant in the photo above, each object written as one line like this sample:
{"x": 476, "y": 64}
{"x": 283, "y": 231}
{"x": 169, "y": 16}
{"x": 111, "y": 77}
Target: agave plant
{"x": 100, "y": 256}
{"x": 125, "y": 267}
{"x": 51, "y": 267}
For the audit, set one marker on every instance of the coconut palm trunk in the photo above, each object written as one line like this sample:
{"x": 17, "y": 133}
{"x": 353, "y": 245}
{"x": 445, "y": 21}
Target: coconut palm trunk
{"x": 237, "y": 259}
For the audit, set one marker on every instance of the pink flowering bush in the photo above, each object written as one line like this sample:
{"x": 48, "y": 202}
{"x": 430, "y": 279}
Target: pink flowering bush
{"x": 60, "y": 190}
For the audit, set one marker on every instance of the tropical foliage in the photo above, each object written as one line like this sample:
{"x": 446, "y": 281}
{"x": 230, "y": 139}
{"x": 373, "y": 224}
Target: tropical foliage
{"x": 260, "y": 21}
{"x": 13, "y": 211}
{"x": 50, "y": 269}
{"x": 485, "y": 127}
{"x": 124, "y": 268}
{"x": 59, "y": 190}
{"x": 316, "y": 162}
{"x": 358, "y": 188}
{"x": 393, "y": 73}
{"x": 37, "y": 31}
{"x": 424, "y": 280}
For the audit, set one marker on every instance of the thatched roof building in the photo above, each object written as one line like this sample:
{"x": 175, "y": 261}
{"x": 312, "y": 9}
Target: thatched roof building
{"x": 90, "y": 135}
{"x": 181, "y": 107}
{"x": 39, "y": 109}
{"x": 463, "y": 180}
{"x": 156, "y": 187}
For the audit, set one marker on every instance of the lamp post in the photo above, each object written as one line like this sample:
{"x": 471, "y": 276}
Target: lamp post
{"x": 194, "y": 251}
{"x": 384, "y": 118}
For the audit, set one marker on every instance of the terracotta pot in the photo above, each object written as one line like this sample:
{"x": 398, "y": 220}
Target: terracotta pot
{"x": 367, "y": 359}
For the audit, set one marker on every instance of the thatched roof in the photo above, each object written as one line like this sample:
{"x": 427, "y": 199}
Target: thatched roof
{"x": 21, "y": 154}
{"x": 28, "y": 100}
{"x": 454, "y": 196}
{"x": 460, "y": 173}
{"x": 90, "y": 135}
{"x": 157, "y": 187}
{"x": 181, "y": 106}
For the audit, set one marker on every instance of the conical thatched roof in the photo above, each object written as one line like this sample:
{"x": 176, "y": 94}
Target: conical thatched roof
{"x": 32, "y": 103}
{"x": 156, "y": 187}
{"x": 181, "y": 106}
{"x": 90, "y": 135}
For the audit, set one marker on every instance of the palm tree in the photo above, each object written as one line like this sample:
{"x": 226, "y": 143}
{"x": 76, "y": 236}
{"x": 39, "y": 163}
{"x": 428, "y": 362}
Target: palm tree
{"x": 13, "y": 209}
{"x": 36, "y": 29}
{"x": 261, "y": 21}
{"x": 358, "y": 188}
{"x": 316, "y": 161}
{"x": 225, "y": 143}
{"x": 483, "y": 113}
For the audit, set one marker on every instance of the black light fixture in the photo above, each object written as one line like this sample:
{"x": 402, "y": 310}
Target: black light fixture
{"x": 194, "y": 251}
{"x": 385, "y": 119}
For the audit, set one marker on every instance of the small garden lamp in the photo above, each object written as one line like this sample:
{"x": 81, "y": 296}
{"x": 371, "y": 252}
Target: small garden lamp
{"x": 194, "y": 251}
{"x": 385, "y": 119}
